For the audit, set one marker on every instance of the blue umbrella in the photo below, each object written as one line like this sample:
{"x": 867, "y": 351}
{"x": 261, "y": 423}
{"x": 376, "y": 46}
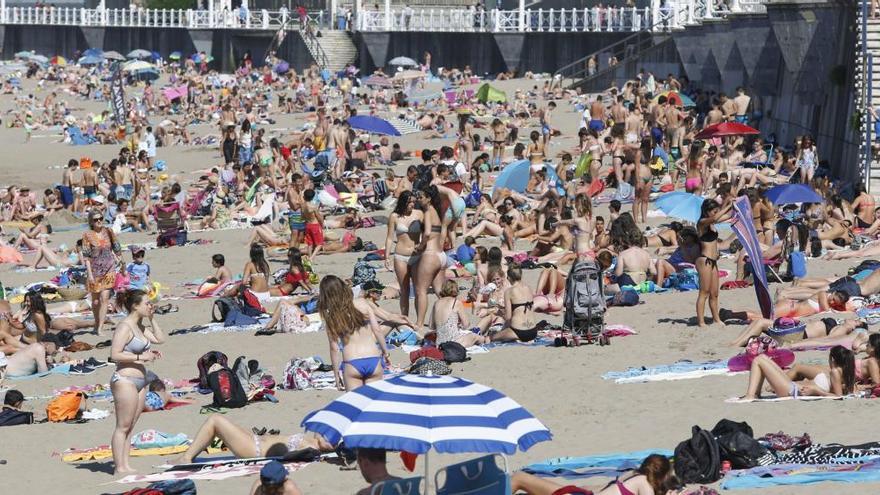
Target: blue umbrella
{"x": 515, "y": 176}
{"x": 90, "y": 60}
{"x": 373, "y": 125}
{"x": 415, "y": 414}
{"x": 785, "y": 194}
{"x": 681, "y": 205}
{"x": 145, "y": 75}
{"x": 93, "y": 52}
{"x": 282, "y": 67}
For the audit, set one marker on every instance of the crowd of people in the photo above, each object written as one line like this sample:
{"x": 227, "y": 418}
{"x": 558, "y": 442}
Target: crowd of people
{"x": 449, "y": 220}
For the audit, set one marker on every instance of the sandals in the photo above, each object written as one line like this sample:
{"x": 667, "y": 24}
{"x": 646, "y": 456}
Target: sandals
{"x": 264, "y": 431}
{"x": 167, "y": 308}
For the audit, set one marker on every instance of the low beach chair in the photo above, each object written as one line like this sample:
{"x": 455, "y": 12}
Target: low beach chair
{"x": 404, "y": 486}
{"x": 480, "y": 476}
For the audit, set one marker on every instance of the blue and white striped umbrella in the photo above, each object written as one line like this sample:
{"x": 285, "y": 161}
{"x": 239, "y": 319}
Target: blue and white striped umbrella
{"x": 414, "y": 413}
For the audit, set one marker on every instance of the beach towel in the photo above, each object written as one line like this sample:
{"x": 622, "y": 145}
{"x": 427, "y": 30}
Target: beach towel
{"x": 681, "y": 370}
{"x": 207, "y": 473}
{"x": 405, "y": 126}
{"x": 773, "y": 398}
{"x": 800, "y": 474}
{"x": 104, "y": 452}
{"x": 595, "y": 465}
{"x": 63, "y": 369}
{"x": 152, "y": 439}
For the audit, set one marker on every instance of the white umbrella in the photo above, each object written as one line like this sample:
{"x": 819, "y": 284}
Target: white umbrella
{"x": 137, "y": 65}
{"x": 113, "y": 55}
{"x": 404, "y": 61}
{"x": 140, "y": 53}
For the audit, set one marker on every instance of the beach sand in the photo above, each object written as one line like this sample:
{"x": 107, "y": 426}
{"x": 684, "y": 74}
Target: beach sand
{"x": 560, "y": 386}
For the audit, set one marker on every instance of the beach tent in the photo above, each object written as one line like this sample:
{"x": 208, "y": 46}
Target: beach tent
{"x": 487, "y": 93}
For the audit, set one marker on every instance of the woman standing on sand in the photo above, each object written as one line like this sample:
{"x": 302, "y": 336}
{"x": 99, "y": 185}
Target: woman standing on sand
{"x": 130, "y": 350}
{"x": 100, "y": 254}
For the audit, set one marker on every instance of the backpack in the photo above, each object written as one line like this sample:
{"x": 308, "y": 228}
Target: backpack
{"x": 65, "y": 407}
{"x": 222, "y": 307}
{"x": 426, "y": 365}
{"x": 250, "y": 303}
{"x": 11, "y": 417}
{"x": 698, "y": 460}
{"x": 584, "y": 298}
{"x": 453, "y": 352}
{"x": 736, "y": 444}
{"x": 174, "y": 487}
{"x": 228, "y": 391}
{"x": 205, "y": 362}
{"x": 428, "y": 352}
{"x": 363, "y": 272}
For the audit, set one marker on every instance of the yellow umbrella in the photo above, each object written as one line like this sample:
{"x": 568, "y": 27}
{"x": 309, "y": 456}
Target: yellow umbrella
{"x": 58, "y": 60}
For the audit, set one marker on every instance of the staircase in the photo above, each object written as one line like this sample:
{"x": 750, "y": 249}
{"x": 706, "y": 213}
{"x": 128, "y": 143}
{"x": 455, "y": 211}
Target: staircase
{"x": 333, "y": 50}
{"x": 867, "y": 71}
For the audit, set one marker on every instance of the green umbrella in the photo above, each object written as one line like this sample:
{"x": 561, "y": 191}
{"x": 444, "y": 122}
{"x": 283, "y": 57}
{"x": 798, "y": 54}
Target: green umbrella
{"x": 487, "y": 93}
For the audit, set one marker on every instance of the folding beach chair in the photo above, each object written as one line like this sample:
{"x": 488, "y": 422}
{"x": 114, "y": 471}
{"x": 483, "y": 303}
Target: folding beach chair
{"x": 405, "y": 486}
{"x": 480, "y": 476}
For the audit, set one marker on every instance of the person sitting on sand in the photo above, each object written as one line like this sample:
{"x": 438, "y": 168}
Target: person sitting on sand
{"x": 245, "y": 444}
{"x": 519, "y": 317}
{"x": 35, "y": 236}
{"x": 274, "y": 481}
{"x": 835, "y": 380}
{"x": 796, "y": 302}
{"x": 372, "y": 464}
{"x": 371, "y": 292}
{"x": 653, "y": 477}
{"x": 449, "y": 320}
{"x": 550, "y": 291}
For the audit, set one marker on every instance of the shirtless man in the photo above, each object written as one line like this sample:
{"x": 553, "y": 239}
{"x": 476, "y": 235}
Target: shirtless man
{"x": 633, "y": 125}
{"x": 30, "y": 359}
{"x": 294, "y": 198}
{"x": 67, "y": 184}
{"x": 314, "y": 224}
{"x": 715, "y": 116}
{"x": 544, "y": 115}
{"x": 728, "y": 107}
{"x": 618, "y": 111}
{"x": 674, "y": 117}
{"x": 742, "y": 101}
{"x": 124, "y": 180}
{"x": 597, "y": 115}
{"x": 90, "y": 183}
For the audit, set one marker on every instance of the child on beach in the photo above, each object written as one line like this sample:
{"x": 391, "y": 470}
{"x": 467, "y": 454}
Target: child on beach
{"x": 138, "y": 271}
{"x": 314, "y": 234}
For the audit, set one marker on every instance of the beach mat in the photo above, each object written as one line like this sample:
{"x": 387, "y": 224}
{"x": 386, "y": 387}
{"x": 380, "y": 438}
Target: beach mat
{"x": 221, "y": 472}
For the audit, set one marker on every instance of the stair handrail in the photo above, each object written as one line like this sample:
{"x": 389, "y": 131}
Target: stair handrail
{"x": 314, "y": 46}
{"x": 614, "y": 47}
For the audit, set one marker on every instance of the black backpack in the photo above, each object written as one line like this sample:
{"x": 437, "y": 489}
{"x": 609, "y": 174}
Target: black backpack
{"x": 222, "y": 307}
{"x": 453, "y": 352}
{"x": 206, "y": 361}
{"x": 698, "y": 459}
{"x": 736, "y": 444}
{"x": 227, "y": 389}
{"x": 12, "y": 417}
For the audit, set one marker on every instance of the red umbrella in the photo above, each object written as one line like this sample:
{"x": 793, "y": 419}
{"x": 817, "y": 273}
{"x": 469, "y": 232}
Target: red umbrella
{"x": 726, "y": 129}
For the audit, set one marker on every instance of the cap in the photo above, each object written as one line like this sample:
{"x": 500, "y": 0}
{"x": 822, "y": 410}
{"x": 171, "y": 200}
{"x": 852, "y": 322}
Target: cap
{"x": 137, "y": 249}
{"x": 273, "y": 473}
{"x": 372, "y": 286}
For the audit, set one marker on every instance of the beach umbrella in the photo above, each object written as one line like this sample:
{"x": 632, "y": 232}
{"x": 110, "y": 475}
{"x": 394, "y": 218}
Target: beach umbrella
{"x": 403, "y": 61}
{"x": 487, "y": 93}
{"x": 197, "y": 58}
{"x": 515, "y": 176}
{"x": 681, "y": 205}
{"x": 139, "y": 53}
{"x": 726, "y": 129}
{"x": 379, "y": 81}
{"x": 373, "y": 125}
{"x": 282, "y": 67}
{"x": 90, "y": 60}
{"x": 413, "y": 413}
{"x": 175, "y": 56}
{"x": 786, "y": 194}
{"x": 136, "y": 65}
{"x": 678, "y": 99}
{"x": 150, "y": 74}
{"x": 40, "y": 59}
{"x": 58, "y": 60}
{"x": 93, "y": 52}
{"x": 155, "y": 56}
{"x": 24, "y": 54}
{"x": 113, "y": 55}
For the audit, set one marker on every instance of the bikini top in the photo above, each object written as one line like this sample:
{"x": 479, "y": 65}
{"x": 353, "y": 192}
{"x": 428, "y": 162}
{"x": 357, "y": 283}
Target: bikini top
{"x": 709, "y": 236}
{"x": 527, "y": 305}
{"x": 137, "y": 345}
{"x": 414, "y": 227}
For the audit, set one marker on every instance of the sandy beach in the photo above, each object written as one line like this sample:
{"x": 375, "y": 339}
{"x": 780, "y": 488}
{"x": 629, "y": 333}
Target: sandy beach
{"x": 560, "y": 386}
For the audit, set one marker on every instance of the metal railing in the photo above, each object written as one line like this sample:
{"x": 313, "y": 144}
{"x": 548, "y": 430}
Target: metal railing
{"x": 315, "y": 49}
{"x": 604, "y": 19}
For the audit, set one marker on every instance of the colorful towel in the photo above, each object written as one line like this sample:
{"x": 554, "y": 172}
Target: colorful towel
{"x": 588, "y": 466}
{"x": 784, "y": 475}
{"x": 104, "y": 452}
{"x": 681, "y": 370}
{"x": 207, "y": 473}
{"x": 740, "y": 400}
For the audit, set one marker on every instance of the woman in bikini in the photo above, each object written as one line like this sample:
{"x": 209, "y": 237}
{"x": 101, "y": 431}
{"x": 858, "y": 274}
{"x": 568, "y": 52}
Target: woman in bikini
{"x": 465, "y": 136}
{"x": 582, "y": 227}
{"x": 666, "y": 237}
{"x": 449, "y": 320}
{"x": 550, "y": 291}
{"x": 35, "y": 319}
{"x": 863, "y": 206}
{"x": 351, "y": 328}
{"x": 654, "y": 477}
{"x": 693, "y": 182}
{"x": 536, "y": 149}
{"x": 405, "y": 233}
{"x": 36, "y": 236}
{"x": 256, "y": 274}
{"x": 835, "y": 380}
{"x": 130, "y": 350}
{"x": 644, "y": 179}
{"x": 519, "y": 317}
{"x": 499, "y": 138}
{"x": 245, "y": 444}
{"x": 707, "y": 264}
{"x": 431, "y": 265}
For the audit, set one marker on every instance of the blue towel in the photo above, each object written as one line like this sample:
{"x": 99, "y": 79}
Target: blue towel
{"x": 683, "y": 366}
{"x": 576, "y": 467}
{"x": 751, "y": 479}
{"x": 63, "y": 369}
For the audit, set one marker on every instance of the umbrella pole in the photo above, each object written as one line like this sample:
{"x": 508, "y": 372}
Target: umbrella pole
{"x": 428, "y": 480}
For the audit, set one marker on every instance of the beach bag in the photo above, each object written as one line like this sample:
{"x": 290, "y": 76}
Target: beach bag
{"x": 12, "y": 417}
{"x": 121, "y": 282}
{"x": 741, "y": 450}
{"x": 402, "y": 336}
{"x": 453, "y": 352}
{"x": 698, "y": 460}
{"x": 363, "y": 272}
{"x": 65, "y": 407}
{"x": 797, "y": 264}
{"x": 426, "y": 365}
{"x": 428, "y": 352}
{"x": 174, "y": 487}
{"x": 227, "y": 389}
{"x": 625, "y": 297}
{"x": 205, "y": 362}
{"x": 221, "y": 309}
{"x": 250, "y": 303}
{"x": 298, "y": 374}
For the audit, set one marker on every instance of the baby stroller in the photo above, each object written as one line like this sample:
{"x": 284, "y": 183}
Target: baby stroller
{"x": 585, "y": 304}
